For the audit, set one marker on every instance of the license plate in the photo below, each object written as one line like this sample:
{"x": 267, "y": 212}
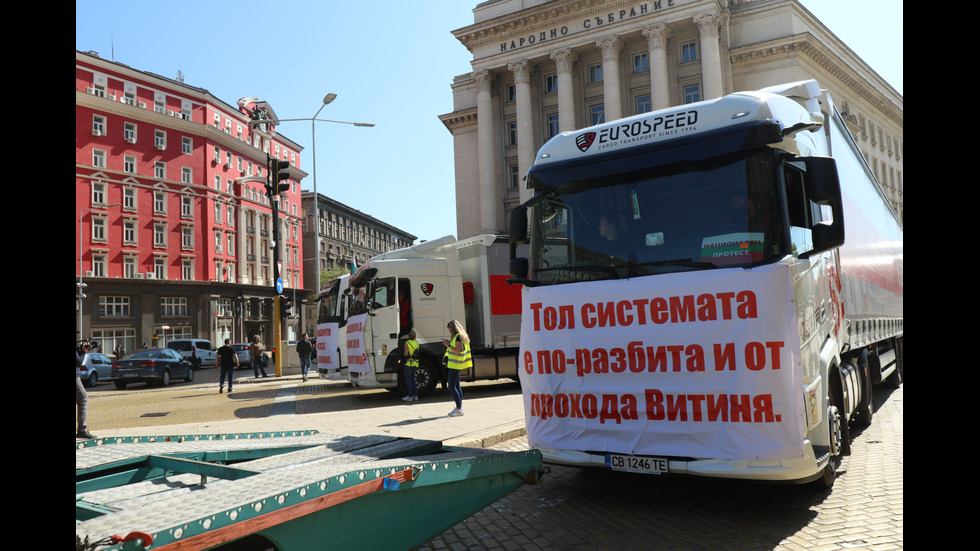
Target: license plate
{"x": 636, "y": 464}
{"x": 130, "y": 374}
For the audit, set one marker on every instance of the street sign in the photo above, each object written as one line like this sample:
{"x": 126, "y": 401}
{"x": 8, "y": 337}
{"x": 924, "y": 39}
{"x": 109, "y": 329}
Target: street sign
{"x": 279, "y": 285}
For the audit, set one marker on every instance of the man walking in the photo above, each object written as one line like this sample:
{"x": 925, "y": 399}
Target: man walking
{"x": 257, "y": 351}
{"x": 304, "y": 349}
{"x": 227, "y": 362}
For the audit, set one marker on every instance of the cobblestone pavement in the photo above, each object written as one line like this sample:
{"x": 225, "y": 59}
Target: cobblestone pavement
{"x": 599, "y": 509}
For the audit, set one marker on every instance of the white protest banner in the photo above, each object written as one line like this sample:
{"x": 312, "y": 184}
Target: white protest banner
{"x": 327, "y": 354}
{"x": 700, "y": 364}
{"x": 356, "y": 354}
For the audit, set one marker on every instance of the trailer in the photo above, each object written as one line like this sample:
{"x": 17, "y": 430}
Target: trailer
{"x": 290, "y": 490}
{"x": 692, "y": 302}
{"x": 422, "y": 288}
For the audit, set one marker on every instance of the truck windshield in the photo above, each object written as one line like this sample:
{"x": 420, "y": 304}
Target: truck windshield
{"x": 645, "y": 222}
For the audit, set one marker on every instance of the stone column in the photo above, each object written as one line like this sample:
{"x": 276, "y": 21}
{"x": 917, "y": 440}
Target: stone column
{"x": 525, "y": 128}
{"x": 657, "y": 36}
{"x": 708, "y": 24}
{"x": 612, "y": 98}
{"x": 485, "y": 147}
{"x": 564, "y": 60}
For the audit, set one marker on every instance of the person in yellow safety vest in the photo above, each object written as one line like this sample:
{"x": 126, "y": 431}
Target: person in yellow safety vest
{"x": 411, "y": 360}
{"x": 458, "y": 356}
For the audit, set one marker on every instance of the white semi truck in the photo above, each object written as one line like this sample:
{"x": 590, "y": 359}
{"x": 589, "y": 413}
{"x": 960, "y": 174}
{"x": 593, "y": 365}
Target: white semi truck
{"x": 692, "y": 302}
{"x": 365, "y": 316}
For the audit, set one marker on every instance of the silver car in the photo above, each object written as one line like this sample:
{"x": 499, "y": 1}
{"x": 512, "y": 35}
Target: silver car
{"x": 95, "y": 366}
{"x": 244, "y": 357}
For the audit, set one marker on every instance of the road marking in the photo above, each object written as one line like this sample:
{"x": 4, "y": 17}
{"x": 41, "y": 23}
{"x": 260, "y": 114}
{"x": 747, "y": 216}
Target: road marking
{"x": 285, "y": 401}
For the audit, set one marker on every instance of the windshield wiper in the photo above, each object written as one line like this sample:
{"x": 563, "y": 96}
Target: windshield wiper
{"x": 611, "y": 270}
{"x": 686, "y": 262}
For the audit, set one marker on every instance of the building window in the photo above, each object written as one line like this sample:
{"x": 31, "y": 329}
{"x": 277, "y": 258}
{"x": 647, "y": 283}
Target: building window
{"x": 98, "y": 158}
{"x": 550, "y": 84}
{"x": 218, "y": 240}
{"x": 99, "y": 265}
{"x": 98, "y": 193}
{"x": 186, "y": 207}
{"x": 160, "y": 139}
{"x": 186, "y": 175}
{"x": 160, "y": 235}
{"x": 187, "y": 238}
{"x": 98, "y": 229}
{"x": 552, "y": 125}
{"x": 129, "y": 132}
{"x": 512, "y": 133}
{"x": 511, "y": 93}
{"x": 597, "y": 114}
{"x": 187, "y": 269}
{"x": 129, "y": 267}
{"x": 129, "y": 164}
{"x": 186, "y": 145}
{"x": 160, "y": 267}
{"x": 159, "y": 203}
{"x": 129, "y": 233}
{"x": 643, "y": 104}
{"x": 640, "y": 63}
{"x": 514, "y": 176}
{"x": 160, "y": 170}
{"x": 173, "y": 306}
{"x": 113, "y": 307}
{"x": 98, "y": 125}
{"x": 692, "y": 93}
{"x": 689, "y": 52}
{"x": 129, "y": 199}
{"x": 595, "y": 73}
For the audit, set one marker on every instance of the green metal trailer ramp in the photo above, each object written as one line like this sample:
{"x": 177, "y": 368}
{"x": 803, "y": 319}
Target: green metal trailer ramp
{"x": 285, "y": 491}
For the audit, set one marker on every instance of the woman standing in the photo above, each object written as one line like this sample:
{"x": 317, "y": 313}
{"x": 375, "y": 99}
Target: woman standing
{"x": 411, "y": 363}
{"x": 458, "y": 356}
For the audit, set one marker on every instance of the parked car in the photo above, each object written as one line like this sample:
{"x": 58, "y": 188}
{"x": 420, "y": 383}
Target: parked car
{"x": 244, "y": 357}
{"x": 95, "y": 366}
{"x": 155, "y": 366}
{"x": 199, "y": 352}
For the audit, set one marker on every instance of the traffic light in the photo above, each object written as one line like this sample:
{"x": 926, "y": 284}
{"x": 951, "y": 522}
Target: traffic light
{"x": 285, "y": 304}
{"x": 278, "y": 173}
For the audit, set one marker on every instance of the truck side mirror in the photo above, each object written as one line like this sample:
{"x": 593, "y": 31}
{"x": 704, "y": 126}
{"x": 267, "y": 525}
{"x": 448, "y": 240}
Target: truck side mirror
{"x": 518, "y": 228}
{"x": 822, "y": 185}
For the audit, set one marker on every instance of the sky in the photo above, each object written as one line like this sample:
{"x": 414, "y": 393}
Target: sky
{"x": 390, "y": 62}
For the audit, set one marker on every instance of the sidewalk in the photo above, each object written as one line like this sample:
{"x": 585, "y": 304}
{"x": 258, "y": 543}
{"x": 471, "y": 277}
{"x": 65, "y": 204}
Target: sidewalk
{"x": 486, "y": 420}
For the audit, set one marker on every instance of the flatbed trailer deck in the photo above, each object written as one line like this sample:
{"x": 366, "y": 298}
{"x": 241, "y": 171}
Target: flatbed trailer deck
{"x": 284, "y": 490}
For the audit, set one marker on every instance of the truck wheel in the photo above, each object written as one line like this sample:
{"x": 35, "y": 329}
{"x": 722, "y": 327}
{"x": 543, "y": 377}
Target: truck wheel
{"x": 865, "y": 409}
{"x": 834, "y": 421}
{"x": 426, "y": 379}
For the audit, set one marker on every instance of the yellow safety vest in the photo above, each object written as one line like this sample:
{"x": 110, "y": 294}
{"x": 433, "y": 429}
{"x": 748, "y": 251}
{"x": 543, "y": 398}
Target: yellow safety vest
{"x": 411, "y": 360}
{"x": 458, "y": 361}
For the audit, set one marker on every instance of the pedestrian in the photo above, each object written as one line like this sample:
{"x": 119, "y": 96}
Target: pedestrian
{"x": 304, "y": 349}
{"x": 458, "y": 359}
{"x": 257, "y": 351}
{"x": 411, "y": 361}
{"x": 81, "y": 397}
{"x": 227, "y": 362}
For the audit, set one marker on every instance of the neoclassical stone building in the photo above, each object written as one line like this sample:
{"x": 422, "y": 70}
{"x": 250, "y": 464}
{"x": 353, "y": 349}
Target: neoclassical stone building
{"x": 541, "y": 67}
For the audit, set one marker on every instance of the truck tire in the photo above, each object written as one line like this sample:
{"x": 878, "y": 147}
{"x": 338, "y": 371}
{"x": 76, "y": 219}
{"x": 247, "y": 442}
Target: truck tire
{"x": 865, "y": 408}
{"x": 829, "y": 474}
{"x": 426, "y": 377}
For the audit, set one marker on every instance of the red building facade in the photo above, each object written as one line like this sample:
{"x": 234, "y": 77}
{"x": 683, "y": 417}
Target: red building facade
{"x": 174, "y": 230}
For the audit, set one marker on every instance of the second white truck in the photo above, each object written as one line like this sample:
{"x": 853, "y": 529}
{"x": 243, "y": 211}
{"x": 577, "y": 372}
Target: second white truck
{"x": 365, "y": 316}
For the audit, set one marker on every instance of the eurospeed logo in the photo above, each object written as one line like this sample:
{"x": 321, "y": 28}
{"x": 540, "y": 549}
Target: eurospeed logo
{"x": 427, "y": 288}
{"x": 660, "y": 126}
{"x": 584, "y": 141}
